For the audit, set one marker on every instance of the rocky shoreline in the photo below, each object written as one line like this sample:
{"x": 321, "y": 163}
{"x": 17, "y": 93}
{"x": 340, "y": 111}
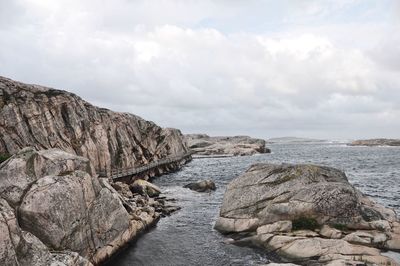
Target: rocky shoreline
{"x": 308, "y": 215}
{"x": 54, "y": 209}
{"x": 375, "y": 142}
{"x": 205, "y": 146}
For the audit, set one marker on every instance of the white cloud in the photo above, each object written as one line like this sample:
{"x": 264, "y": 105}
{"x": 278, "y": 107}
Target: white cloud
{"x": 166, "y": 63}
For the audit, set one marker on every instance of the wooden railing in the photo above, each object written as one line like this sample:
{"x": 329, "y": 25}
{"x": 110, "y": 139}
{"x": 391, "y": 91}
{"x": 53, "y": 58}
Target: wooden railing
{"x": 123, "y": 172}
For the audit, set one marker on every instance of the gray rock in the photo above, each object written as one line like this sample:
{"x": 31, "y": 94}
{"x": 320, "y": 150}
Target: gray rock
{"x": 147, "y": 187}
{"x": 204, "y": 145}
{"x": 46, "y": 118}
{"x": 18, "y": 247}
{"x": 271, "y": 199}
{"x": 62, "y": 207}
{"x": 376, "y": 142}
{"x": 202, "y": 186}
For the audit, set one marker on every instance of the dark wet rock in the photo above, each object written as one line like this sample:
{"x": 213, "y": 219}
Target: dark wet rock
{"x": 308, "y": 214}
{"x": 202, "y": 186}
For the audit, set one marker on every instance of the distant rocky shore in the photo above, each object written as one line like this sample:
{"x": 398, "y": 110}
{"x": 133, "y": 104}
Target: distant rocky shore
{"x": 376, "y": 142}
{"x": 308, "y": 215}
{"x": 204, "y": 145}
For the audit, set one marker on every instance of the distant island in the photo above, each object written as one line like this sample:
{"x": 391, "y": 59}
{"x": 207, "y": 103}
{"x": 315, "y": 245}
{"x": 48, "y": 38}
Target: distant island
{"x": 376, "y": 142}
{"x": 293, "y": 140}
{"x": 204, "y": 145}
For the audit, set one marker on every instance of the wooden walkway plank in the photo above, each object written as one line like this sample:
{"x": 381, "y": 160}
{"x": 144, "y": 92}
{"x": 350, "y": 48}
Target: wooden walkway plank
{"x": 124, "y": 172}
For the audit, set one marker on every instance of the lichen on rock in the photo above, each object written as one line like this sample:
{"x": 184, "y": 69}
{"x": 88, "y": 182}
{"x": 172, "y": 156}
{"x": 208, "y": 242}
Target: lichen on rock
{"x": 308, "y": 214}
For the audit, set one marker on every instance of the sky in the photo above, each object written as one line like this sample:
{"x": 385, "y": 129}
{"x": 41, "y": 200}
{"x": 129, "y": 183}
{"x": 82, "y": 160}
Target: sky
{"x": 326, "y": 69}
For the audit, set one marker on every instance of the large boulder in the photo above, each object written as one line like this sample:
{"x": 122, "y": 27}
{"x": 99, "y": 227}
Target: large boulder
{"x": 62, "y": 206}
{"x": 306, "y": 212}
{"x": 19, "y": 247}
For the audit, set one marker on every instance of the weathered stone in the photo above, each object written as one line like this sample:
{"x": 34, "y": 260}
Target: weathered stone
{"x": 394, "y": 242}
{"x": 235, "y": 225}
{"x": 149, "y": 188}
{"x": 329, "y": 232}
{"x": 204, "y": 145}
{"x": 202, "y": 186}
{"x": 64, "y": 206}
{"x": 46, "y": 118}
{"x": 281, "y": 226}
{"x": 122, "y": 189}
{"x": 309, "y": 197}
{"x": 359, "y": 237}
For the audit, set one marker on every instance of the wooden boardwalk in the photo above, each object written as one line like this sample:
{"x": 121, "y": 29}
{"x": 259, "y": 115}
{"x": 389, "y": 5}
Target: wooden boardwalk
{"x": 133, "y": 171}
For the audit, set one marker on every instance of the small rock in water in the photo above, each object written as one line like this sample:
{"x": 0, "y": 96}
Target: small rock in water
{"x": 202, "y": 186}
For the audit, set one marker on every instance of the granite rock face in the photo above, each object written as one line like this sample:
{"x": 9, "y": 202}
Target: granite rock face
{"x": 376, "y": 142}
{"x": 205, "y": 145}
{"x": 53, "y": 207}
{"x": 45, "y": 118}
{"x": 308, "y": 214}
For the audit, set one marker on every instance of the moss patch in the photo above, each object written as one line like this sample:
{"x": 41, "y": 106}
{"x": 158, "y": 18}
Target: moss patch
{"x": 4, "y": 157}
{"x": 304, "y": 223}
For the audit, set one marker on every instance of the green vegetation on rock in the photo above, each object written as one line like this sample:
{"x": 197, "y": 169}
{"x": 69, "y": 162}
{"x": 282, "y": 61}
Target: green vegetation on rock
{"x": 4, "y": 157}
{"x": 303, "y": 223}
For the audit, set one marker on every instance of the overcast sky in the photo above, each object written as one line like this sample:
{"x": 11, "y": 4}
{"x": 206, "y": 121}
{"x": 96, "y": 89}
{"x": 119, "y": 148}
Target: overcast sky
{"x": 320, "y": 69}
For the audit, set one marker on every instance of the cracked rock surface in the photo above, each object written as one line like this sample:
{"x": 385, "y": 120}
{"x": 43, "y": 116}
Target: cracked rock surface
{"x": 55, "y": 211}
{"x": 204, "y": 145}
{"x": 45, "y": 118}
{"x": 341, "y": 226}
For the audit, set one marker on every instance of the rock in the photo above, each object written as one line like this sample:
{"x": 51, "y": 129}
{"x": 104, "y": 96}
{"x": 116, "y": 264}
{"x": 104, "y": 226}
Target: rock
{"x": 204, "y": 145}
{"x": 359, "y": 237}
{"x": 291, "y": 206}
{"x": 281, "y": 226}
{"x": 394, "y": 242}
{"x": 18, "y": 247}
{"x": 227, "y": 225}
{"x": 329, "y": 232}
{"x": 49, "y": 118}
{"x": 62, "y": 206}
{"x": 202, "y": 186}
{"x": 122, "y": 189}
{"x": 376, "y": 142}
{"x": 149, "y": 188}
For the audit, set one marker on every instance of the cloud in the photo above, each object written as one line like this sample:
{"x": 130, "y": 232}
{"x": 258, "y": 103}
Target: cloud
{"x": 186, "y": 65}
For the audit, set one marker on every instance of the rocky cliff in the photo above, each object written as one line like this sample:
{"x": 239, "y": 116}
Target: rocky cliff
{"x": 310, "y": 215}
{"x": 204, "y": 145}
{"x": 45, "y": 118}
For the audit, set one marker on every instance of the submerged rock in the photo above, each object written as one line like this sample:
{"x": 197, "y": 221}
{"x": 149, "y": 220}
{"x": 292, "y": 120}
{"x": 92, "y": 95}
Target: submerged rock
{"x": 204, "y": 145}
{"x": 202, "y": 186}
{"x": 308, "y": 213}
